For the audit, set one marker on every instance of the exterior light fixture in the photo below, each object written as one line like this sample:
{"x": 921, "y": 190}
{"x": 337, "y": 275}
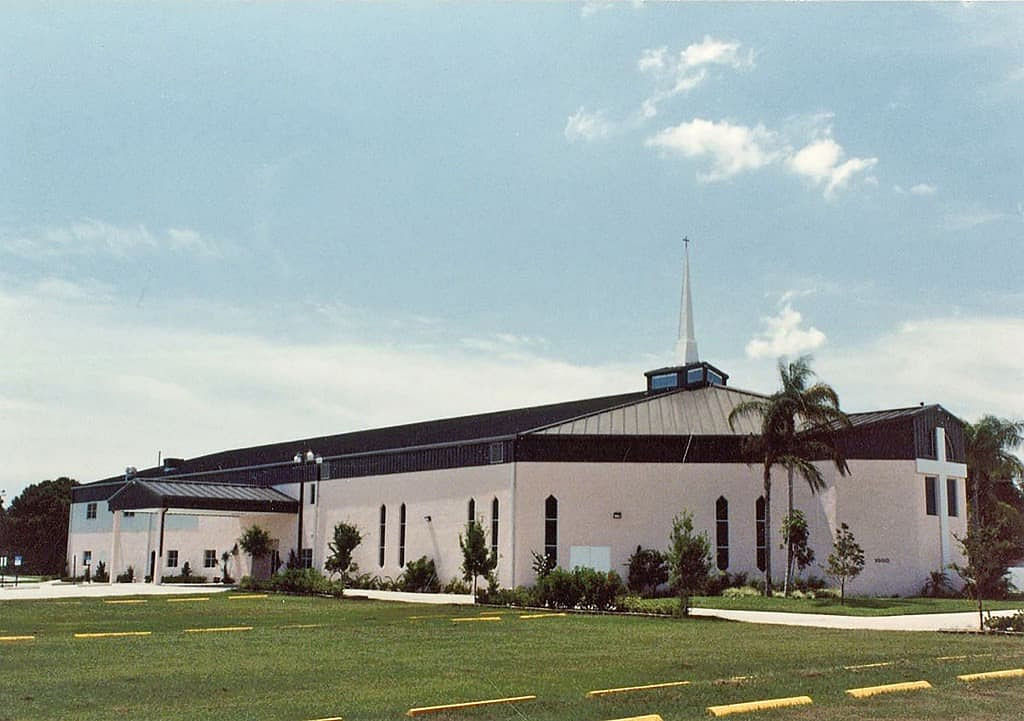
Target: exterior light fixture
{"x": 617, "y": 514}
{"x": 427, "y": 519}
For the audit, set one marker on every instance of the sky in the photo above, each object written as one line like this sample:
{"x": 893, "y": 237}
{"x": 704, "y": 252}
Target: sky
{"x": 229, "y": 224}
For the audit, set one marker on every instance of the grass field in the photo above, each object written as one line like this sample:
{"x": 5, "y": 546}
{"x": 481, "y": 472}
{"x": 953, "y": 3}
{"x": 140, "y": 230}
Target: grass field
{"x": 312, "y": 658}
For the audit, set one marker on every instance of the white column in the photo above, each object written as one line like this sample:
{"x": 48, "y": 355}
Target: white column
{"x": 115, "y": 542}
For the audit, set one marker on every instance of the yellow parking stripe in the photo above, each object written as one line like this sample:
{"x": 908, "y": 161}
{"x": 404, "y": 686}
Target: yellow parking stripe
{"x": 113, "y": 634}
{"x": 475, "y": 618}
{"x": 1008, "y": 673}
{"x": 868, "y": 665}
{"x": 543, "y": 615}
{"x": 126, "y": 601}
{"x": 627, "y": 689}
{"x": 17, "y": 638}
{"x": 218, "y": 629}
{"x": 190, "y": 598}
{"x": 868, "y": 691}
{"x": 467, "y": 704}
{"x": 759, "y": 705}
{"x": 239, "y": 597}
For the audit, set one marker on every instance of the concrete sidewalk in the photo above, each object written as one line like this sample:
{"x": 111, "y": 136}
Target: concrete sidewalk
{"x": 961, "y": 621}
{"x": 56, "y": 589}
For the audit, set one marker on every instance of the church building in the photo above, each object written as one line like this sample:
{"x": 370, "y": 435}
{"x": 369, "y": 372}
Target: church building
{"x": 583, "y": 481}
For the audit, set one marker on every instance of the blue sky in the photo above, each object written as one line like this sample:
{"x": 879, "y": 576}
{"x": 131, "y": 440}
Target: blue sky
{"x": 229, "y": 224}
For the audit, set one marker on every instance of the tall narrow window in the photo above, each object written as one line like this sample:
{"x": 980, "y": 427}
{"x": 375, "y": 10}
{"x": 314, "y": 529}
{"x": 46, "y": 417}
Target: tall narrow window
{"x": 401, "y": 535}
{"x": 759, "y": 519}
{"x": 471, "y": 511}
{"x": 951, "y": 504}
{"x": 494, "y": 528}
{"x": 90, "y": 510}
{"x": 551, "y": 529}
{"x": 306, "y": 558}
{"x": 383, "y": 534}
{"x": 931, "y": 496}
{"x": 722, "y": 532}
{"x": 312, "y": 494}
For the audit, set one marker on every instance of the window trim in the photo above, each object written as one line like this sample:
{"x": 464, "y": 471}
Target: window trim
{"x": 952, "y": 499}
{"x": 383, "y": 535}
{"x": 401, "y": 536}
{"x": 760, "y": 537}
{"x": 931, "y": 496}
{"x": 210, "y": 558}
{"x": 721, "y": 525}
{"x": 90, "y": 511}
{"x": 175, "y": 558}
{"x": 551, "y": 528}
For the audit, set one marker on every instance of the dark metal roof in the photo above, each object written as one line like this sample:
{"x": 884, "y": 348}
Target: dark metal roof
{"x": 137, "y": 494}
{"x": 494, "y": 425}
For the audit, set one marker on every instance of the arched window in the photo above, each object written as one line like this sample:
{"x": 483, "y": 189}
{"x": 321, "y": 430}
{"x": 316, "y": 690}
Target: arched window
{"x": 383, "y": 534}
{"x": 494, "y": 528}
{"x": 401, "y": 535}
{"x": 471, "y": 511}
{"x": 551, "y": 529}
{"x": 759, "y": 527}
{"x": 722, "y": 533}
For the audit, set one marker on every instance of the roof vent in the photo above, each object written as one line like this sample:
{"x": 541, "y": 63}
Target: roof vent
{"x": 173, "y": 464}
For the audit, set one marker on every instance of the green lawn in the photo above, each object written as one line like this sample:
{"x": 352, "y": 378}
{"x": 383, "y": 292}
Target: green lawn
{"x": 372, "y": 660}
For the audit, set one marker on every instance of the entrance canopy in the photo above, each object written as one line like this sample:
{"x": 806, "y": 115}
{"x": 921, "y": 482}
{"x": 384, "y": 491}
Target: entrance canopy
{"x": 143, "y": 494}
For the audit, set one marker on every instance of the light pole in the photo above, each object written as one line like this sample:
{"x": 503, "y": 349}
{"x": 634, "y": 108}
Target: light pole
{"x": 301, "y": 459}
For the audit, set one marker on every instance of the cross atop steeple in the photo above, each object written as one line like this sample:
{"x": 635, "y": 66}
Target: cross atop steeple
{"x": 686, "y": 345}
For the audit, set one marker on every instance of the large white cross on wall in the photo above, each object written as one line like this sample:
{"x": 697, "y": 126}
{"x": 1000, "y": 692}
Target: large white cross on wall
{"x": 942, "y": 469}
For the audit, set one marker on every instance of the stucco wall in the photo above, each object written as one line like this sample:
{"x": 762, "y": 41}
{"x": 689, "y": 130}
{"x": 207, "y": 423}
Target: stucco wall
{"x": 443, "y": 495}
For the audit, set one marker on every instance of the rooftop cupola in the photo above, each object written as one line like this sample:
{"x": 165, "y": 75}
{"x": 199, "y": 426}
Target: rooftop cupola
{"x": 691, "y": 372}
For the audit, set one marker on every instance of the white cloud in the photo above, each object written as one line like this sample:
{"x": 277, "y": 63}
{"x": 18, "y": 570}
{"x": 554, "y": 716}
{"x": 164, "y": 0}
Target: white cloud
{"x": 971, "y": 365}
{"x": 972, "y": 218}
{"x": 587, "y": 126}
{"x": 923, "y": 189}
{"x": 783, "y": 336}
{"x": 97, "y": 237}
{"x": 680, "y": 73}
{"x": 821, "y": 161}
{"x": 732, "y": 149}
{"x": 87, "y": 390}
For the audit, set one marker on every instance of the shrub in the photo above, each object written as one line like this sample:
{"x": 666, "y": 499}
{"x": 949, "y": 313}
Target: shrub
{"x": 740, "y": 592}
{"x": 542, "y": 564}
{"x": 186, "y": 570}
{"x": 420, "y": 576}
{"x": 659, "y": 606}
{"x": 456, "y": 585}
{"x": 599, "y": 589}
{"x": 560, "y": 589}
{"x": 1006, "y": 623}
{"x": 346, "y": 538}
{"x": 647, "y": 571}
{"x": 183, "y": 579}
{"x": 127, "y": 577}
{"x": 689, "y": 559}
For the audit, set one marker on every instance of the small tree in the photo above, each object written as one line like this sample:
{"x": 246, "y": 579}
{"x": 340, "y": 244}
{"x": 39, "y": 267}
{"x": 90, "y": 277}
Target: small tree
{"x": 689, "y": 559}
{"x": 346, "y": 538}
{"x": 256, "y": 542}
{"x": 477, "y": 560}
{"x": 846, "y": 560}
{"x": 647, "y": 570}
{"x": 988, "y": 555}
{"x": 796, "y": 536}
{"x": 542, "y": 564}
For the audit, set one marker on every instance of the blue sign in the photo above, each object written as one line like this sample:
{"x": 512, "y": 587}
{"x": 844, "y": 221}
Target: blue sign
{"x": 17, "y": 560}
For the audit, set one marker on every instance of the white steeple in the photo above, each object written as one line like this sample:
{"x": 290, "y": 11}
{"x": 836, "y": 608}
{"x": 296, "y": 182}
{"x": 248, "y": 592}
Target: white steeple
{"x": 686, "y": 346}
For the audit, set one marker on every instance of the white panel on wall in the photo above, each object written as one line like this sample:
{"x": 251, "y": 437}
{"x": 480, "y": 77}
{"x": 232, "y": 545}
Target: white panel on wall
{"x": 597, "y": 557}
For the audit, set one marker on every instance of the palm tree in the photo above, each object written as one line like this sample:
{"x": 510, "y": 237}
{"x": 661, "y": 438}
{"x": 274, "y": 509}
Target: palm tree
{"x": 990, "y": 461}
{"x": 798, "y": 422}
